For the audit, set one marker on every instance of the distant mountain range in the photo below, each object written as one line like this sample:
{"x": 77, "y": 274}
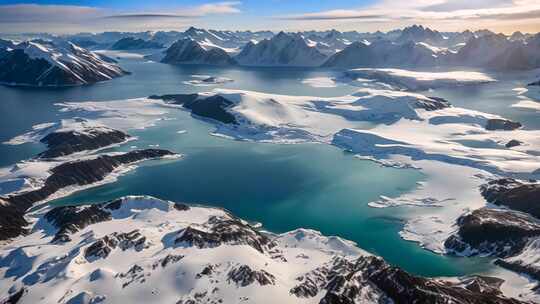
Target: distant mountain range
{"x": 52, "y": 60}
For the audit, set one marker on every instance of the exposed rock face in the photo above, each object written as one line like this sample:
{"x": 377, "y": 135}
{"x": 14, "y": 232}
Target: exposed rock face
{"x": 244, "y": 276}
{"x": 77, "y": 173}
{"x": 70, "y": 219}
{"x": 14, "y": 297}
{"x": 516, "y": 195}
{"x": 513, "y": 143}
{"x": 54, "y": 64}
{"x": 218, "y": 231}
{"x": 170, "y": 259}
{"x": 370, "y": 279}
{"x": 130, "y": 43}
{"x": 213, "y": 107}
{"x": 65, "y": 143}
{"x": 500, "y": 233}
{"x": 520, "y": 267}
{"x": 188, "y": 51}
{"x": 435, "y": 103}
{"x": 103, "y": 247}
{"x": 502, "y": 124}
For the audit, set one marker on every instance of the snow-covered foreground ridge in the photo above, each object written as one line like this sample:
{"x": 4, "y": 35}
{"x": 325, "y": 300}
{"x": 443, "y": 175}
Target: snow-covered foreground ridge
{"x": 141, "y": 249}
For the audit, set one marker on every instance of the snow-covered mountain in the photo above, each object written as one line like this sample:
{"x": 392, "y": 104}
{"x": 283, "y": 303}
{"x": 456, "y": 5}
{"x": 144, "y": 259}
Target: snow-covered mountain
{"x": 188, "y": 51}
{"x": 225, "y": 40}
{"x": 230, "y": 41}
{"x": 418, "y": 33}
{"x": 58, "y": 63}
{"x": 329, "y": 43}
{"x": 140, "y": 249}
{"x": 385, "y": 53}
{"x": 282, "y": 50}
{"x": 496, "y": 51}
{"x": 130, "y": 43}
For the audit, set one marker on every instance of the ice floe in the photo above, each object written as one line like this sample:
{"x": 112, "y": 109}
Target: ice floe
{"x": 419, "y": 81}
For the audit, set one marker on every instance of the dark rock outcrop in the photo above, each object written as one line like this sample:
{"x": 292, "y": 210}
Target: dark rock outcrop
{"x": 101, "y": 248}
{"x": 500, "y": 233}
{"x": 14, "y": 298}
{"x": 519, "y": 267}
{"x": 77, "y": 173}
{"x": 65, "y": 143}
{"x": 435, "y": 103}
{"x": 502, "y": 124}
{"x": 513, "y": 143}
{"x": 213, "y": 107}
{"x": 370, "y": 279}
{"x": 244, "y": 276}
{"x": 170, "y": 259}
{"x": 70, "y": 219}
{"x": 514, "y": 194}
{"x": 218, "y": 231}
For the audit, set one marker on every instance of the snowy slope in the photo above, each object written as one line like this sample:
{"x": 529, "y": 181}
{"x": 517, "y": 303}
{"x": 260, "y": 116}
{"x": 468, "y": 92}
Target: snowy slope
{"x": 141, "y": 249}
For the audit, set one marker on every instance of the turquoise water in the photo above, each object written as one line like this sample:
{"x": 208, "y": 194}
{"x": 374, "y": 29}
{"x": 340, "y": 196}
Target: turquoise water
{"x": 282, "y": 186}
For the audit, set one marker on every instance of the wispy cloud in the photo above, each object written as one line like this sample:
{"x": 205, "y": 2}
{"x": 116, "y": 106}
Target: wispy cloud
{"x": 455, "y": 5}
{"x": 27, "y": 13}
{"x": 333, "y": 15}
{"x": 226, "y": 7}
{"x": 46, "y": 13}
{"x": 422, "y": 10}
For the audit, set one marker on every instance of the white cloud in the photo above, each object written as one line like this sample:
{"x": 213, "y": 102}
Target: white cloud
{"x": 219, "y": 8}
{"x": 28, "y": 13}
{"x": 45, "y": 13}
{"x": 227, "y": 7}
{"x": 423, "y": 10}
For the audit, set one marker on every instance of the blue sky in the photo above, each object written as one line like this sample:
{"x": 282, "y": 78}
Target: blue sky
{"x": 63, "y": 16}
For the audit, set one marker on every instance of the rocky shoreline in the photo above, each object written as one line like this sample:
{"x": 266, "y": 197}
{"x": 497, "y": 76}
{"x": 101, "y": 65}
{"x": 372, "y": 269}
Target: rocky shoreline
{"x": 69, "y": 174}
{"x": 64, "y": 143}
{"x": 511, "y": 234}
